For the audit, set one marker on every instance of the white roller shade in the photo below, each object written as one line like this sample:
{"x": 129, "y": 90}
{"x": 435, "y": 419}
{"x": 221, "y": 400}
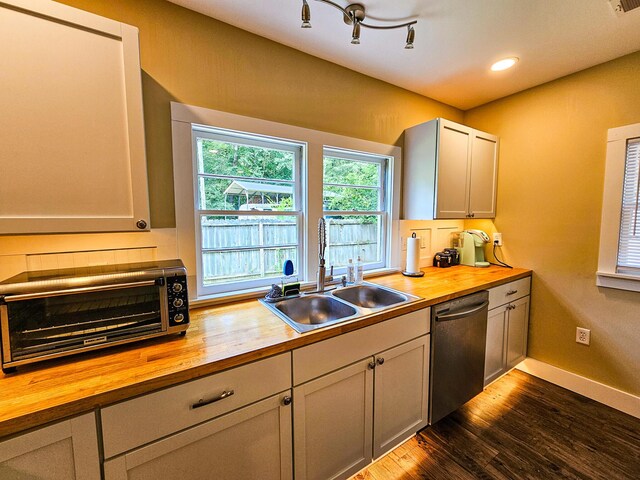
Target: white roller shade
{"x": 629, "y": 246}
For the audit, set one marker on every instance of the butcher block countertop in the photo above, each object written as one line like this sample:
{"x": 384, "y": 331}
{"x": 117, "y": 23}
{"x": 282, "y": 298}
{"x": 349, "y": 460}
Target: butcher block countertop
{"x": 220, "y": 337}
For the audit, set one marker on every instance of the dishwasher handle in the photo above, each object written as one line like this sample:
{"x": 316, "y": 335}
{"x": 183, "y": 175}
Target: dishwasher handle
{"x": 464, "y": 313}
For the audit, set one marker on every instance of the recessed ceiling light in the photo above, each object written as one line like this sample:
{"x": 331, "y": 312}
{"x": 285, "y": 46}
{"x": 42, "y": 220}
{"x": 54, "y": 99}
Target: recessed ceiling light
{"x": 504, "y": 64}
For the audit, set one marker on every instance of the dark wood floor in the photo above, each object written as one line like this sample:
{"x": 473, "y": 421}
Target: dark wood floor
{"x": 520, "y": 427}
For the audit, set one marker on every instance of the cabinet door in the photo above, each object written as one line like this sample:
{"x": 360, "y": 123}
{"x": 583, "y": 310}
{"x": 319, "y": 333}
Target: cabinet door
{"x": 253, "y": 442}
{"x": 401, "y": 394}
{"x": 64, "y": 451}
{"x": 333, "y": 418}
{"x": 483, "y": 176}
{"x": 71, "y": 87}
{"x": 494, "y": 360}
{"x": 517, "y": 329}
{"x": 452, "y": 196}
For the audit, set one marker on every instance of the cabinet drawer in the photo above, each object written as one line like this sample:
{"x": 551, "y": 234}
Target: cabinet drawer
{"x": 135, "y": 422}
{"x": 324, "y": 357}
{"x": 508, "y": 292}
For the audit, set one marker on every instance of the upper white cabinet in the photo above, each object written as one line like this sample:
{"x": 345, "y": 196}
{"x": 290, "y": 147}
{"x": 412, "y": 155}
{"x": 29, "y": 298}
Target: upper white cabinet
{"x": 450, "y": 171}
{"x": 72, "y": 150}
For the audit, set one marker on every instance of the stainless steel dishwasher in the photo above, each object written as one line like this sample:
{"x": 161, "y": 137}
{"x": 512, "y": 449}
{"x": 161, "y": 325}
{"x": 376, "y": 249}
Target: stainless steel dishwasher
{"x": 458, "y": 339}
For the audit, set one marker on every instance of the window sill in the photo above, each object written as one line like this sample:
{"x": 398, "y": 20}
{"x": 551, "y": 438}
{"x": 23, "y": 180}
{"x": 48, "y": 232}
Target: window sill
{"x": 237, "y": 296}
{"x": 618, "y": 281}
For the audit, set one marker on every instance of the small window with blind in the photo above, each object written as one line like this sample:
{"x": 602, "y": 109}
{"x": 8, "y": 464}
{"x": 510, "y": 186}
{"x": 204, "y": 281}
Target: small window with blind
{"x": 629, "y": 243}
{"x": 619, "y": 258}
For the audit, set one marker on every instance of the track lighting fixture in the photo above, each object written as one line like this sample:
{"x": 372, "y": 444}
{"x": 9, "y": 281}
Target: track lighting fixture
{"x": 354, "y": 14}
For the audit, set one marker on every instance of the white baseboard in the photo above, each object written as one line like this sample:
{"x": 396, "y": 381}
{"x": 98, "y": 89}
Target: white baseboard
{"x": 612, "y": 397}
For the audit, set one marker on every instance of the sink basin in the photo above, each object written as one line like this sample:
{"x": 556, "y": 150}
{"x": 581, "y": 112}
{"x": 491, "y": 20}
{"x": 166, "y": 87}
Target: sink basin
{"x": 312, "y": 311}
{"x": 370, "y": 296}
{"x": 318, "y": 310}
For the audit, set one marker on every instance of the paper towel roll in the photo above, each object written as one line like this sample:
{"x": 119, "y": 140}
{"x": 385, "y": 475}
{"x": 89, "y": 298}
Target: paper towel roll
{"x": 413, "y": 255}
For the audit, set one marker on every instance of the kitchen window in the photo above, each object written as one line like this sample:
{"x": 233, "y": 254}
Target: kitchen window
{"x": 354, "y": 204}
{"x": 619, "y": 260}
{"x": 248, "y": 208}
{"x": 249, "y": 194}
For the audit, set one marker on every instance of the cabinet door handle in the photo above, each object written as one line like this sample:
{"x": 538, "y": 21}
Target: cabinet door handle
{"x": 372, "y": 365}
{"x": 201, "y": 403}
{"x": 380, "y": 361}
{"x": 287, "y": 400}
{"x": 512, "y": 292}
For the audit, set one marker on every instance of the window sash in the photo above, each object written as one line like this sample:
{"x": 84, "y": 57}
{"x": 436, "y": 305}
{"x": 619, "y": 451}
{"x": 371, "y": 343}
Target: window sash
{"x": 245, "y": 139}
{"x": 628, "y": 260}
{"x": 383, "y": 211}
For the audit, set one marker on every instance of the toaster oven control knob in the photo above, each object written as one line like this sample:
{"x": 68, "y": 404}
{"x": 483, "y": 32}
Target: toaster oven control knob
{"x": 178, "y": 318}
{"x": 178, "y": 302}
{"x": 176, "y": 287}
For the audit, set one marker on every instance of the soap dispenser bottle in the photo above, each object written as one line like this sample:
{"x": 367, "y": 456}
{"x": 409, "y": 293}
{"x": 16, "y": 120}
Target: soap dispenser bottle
{"x": 351, "y": 273}
{"x": 358, "y": 271}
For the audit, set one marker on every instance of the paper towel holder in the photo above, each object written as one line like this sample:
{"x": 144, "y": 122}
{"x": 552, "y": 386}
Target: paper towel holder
{"x": 412, "y": 274}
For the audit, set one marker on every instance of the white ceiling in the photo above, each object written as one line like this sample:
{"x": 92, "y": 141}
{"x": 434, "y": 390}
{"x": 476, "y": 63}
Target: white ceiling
{"x": 456, "y": 40}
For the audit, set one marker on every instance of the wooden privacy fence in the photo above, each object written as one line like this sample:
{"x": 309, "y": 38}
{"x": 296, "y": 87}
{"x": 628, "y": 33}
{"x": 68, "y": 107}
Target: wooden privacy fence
{"x": 244, "y": 249}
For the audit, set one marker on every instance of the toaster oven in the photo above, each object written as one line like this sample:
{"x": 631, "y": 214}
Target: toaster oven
{"x": 48, "y": 314}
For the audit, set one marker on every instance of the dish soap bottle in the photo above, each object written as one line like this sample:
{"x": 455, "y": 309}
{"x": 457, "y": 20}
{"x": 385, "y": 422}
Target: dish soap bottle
{"x": 351, "y": 273}
{"x": 358, "y": 271}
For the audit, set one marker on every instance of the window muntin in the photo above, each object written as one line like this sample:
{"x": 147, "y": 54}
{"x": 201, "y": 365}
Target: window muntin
{"x": 354, "y": 200}
{"x": 629, "y": 240}
{"x": 248, "y": 208}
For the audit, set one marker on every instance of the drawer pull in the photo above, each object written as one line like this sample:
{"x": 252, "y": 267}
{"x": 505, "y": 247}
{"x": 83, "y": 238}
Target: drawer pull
{"x": 286, "y": 401}
{"x": 512, "y": 292}
{"x": 222, "y": 396}
{"x": 380, "y": 361}
{"x": 372, "y": 365}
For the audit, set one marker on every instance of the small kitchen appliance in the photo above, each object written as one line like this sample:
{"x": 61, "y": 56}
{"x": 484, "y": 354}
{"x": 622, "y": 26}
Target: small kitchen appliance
{"x": 472, "y": 249}
{"x": 53, "y": 313}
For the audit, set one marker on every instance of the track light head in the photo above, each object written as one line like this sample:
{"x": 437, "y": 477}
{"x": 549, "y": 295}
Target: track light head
{"x": 355, "y": 36}
{"x": 411, "y": 35}
{"x": 306, "y": 15}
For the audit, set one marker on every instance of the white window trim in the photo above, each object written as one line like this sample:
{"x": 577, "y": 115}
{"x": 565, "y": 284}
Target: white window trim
{"x": 184, "y": 116}
{"x": 607, "y": 276}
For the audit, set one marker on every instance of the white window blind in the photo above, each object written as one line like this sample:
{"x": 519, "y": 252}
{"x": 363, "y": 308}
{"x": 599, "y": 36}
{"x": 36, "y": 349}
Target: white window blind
{"x": 629, "y": 243}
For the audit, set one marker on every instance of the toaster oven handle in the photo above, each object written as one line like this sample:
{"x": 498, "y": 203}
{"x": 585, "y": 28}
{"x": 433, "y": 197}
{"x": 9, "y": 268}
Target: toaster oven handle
{"x": 73, "y": 291}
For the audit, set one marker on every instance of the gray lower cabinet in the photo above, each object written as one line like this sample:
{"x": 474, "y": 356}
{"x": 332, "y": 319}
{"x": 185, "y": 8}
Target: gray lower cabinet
{"x": 507, "y": 328}
{"x": 401, "y": 393}
{"x": 360, "y": 406}
{"x": 333, "y": 418}
{"x": 66, "y": 450}
{"x": 252, "y": 442}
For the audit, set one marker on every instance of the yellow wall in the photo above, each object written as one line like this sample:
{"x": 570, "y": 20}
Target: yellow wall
{"x": 552, "y": 155}
{"x": 190, "y": 58}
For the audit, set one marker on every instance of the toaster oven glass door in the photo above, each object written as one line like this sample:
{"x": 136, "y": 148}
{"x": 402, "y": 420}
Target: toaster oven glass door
{"x": 47, "y": 325}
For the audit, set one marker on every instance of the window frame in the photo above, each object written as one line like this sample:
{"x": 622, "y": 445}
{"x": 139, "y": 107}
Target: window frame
{"x": 183, "y": 117}
{"x": 383, "y": 203}
{"x": 607, "y": 274}
{"x": 253, "y": 140}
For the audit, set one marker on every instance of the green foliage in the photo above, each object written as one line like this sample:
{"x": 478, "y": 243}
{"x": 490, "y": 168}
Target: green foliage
{"x": 358, "y": 174}
{"x": 230, "y": 159}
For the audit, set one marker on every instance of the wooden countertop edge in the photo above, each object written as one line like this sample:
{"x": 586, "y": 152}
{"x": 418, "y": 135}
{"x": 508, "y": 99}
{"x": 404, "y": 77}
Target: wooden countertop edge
{"x": 91, "y": 402}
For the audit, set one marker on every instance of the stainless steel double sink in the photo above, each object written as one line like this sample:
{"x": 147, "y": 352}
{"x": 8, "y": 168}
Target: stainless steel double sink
{"x": 319, "y": 310}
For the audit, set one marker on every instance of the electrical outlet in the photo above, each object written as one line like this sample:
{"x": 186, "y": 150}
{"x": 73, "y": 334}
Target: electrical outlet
{"x": 403, "y": 243}
{"x": 583, "y": 335}
{"x": 497, "y": 239}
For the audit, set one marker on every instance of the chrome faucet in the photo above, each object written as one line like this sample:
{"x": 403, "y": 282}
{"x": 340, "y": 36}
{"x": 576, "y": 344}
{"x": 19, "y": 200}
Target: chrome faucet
{"x": 323, "y": 279}
{"x": 322, "y": 245}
